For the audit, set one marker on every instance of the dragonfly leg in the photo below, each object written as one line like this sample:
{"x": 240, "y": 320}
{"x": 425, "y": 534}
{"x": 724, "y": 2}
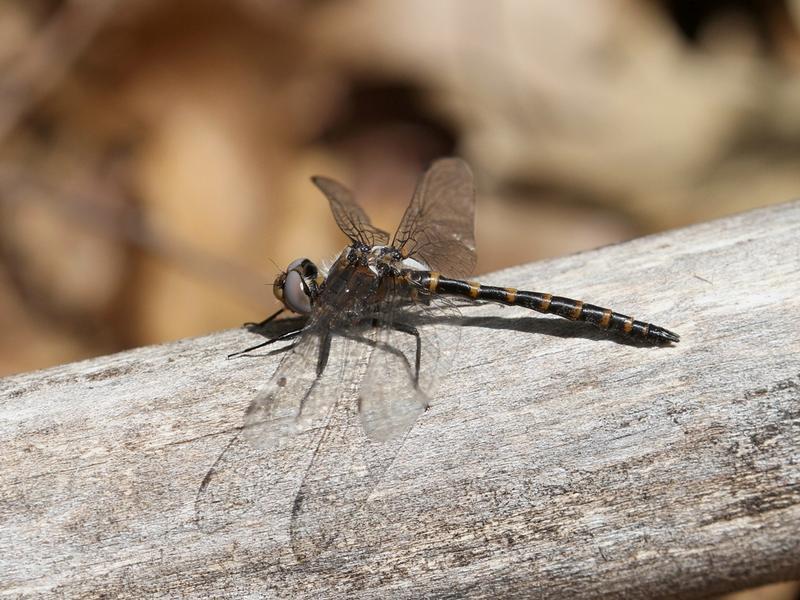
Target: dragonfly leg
{"x": 418, "y": 354}
{"x": 322, "y": 362}
{"x": 410, "y": 329}
{"x": 264, "y": 322}
{"x": 286, "y": 336}
{"x": 324, "y": 351}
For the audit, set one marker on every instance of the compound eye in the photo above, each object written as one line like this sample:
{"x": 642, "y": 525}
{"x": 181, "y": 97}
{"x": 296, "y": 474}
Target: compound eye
{"x": 296, "y": 263}
{"x": 310, "y": 270}
{"x": 295, "y": 295}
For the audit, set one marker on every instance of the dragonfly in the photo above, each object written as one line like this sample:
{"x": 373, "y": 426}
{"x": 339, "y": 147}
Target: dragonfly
{"x": 393, "y": 301}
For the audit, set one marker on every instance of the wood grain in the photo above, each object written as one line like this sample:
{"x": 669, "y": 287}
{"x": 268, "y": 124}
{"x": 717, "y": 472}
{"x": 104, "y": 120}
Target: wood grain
{"x": 553, "y": 462}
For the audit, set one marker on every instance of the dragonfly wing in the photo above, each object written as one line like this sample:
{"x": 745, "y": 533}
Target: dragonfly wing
{"x": 294, "y": 401}
{"x": 350, "y": 217}
{"x": 390, "y": 402}
{"x": 255, "y": 459}
{"x": 282, "y": 425}
{"x": 334, "y": 482}
{"x": 439, "y": 223}
{"x": 392, "y": 397}
{"x": 305, "y": 434}
{"x": 345, "y": 469}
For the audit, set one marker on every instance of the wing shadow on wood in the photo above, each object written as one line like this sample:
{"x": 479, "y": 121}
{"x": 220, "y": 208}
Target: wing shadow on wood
{"x": 235, "y": 487}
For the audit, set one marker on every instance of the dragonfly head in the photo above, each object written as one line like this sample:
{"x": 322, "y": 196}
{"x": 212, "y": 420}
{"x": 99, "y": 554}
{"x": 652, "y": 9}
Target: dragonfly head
{"x": 298, "y": 286}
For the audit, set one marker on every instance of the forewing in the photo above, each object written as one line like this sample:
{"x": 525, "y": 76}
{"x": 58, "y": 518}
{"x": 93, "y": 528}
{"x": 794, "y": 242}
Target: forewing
{"x": 439, "y": 224}
{"x": 290, "y": 403}
{"x": 349, "y": 216}
{"x": 257, "y": 459}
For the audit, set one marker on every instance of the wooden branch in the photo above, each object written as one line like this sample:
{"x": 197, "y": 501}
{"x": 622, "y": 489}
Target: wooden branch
{"x": 554, "y": 461}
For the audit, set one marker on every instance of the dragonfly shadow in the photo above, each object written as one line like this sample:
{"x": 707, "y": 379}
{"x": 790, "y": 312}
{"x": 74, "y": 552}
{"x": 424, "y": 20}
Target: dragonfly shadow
{"x": 547, "y": 326}
{"x": 532, "y": 325}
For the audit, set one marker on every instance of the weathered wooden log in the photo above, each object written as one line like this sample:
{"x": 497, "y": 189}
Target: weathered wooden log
{"x": 555, "y": 461}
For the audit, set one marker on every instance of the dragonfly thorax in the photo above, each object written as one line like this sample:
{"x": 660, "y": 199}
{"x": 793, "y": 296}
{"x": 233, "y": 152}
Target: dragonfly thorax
{"x": 384, "y": 260}
{"x": 388, "y": 260}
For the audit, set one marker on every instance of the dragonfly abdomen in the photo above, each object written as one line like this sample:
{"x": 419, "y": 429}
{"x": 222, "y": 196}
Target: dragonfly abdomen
{"x": 574, "y": 310}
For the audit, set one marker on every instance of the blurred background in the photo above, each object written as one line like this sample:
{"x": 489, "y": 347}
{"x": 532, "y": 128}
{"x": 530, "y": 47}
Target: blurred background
{"x": 155, "y": 155}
